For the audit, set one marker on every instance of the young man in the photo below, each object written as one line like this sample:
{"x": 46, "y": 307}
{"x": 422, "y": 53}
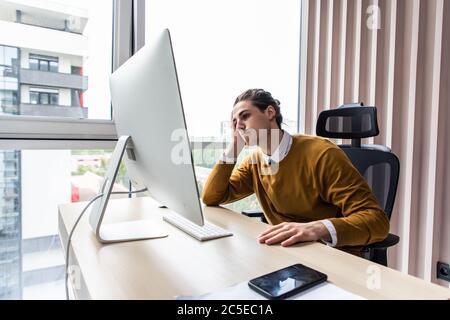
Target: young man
{"x": 306, "y": 186}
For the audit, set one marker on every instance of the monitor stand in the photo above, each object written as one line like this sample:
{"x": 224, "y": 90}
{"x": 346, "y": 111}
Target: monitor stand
{"x": 124, "y": 231}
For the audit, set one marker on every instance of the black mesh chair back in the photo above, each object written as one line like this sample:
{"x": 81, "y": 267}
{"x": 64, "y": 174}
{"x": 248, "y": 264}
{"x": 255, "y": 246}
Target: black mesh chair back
{"x": 348, "y": 122}
{"x": 381, "y": 171}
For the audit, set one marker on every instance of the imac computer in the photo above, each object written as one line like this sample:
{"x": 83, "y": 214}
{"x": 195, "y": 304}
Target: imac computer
{"x": 154, "y": 145}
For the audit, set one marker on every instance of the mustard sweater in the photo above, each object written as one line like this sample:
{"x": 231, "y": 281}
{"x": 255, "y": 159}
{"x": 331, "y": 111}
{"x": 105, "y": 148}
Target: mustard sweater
{"x": 315, "y": 181}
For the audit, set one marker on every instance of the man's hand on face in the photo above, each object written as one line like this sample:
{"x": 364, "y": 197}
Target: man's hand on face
{"x": 290, "y": 233}
{"x": 237, "y": 141}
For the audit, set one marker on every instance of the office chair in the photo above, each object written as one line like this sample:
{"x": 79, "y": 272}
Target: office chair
{"x": 379, "y": 166}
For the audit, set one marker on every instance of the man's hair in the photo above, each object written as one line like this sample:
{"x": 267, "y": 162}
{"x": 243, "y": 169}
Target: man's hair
{"x": 262, "y": 100}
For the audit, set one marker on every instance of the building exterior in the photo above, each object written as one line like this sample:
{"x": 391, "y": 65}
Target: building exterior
{"x": 41, "y": 74}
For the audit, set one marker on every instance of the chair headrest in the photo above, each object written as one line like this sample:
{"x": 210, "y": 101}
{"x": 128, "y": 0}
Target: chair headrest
{"x": 349, "y": 121}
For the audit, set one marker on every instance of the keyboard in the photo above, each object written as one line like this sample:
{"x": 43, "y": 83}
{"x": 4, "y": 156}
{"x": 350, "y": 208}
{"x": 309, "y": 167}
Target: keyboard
{"x": 208, "y": 232}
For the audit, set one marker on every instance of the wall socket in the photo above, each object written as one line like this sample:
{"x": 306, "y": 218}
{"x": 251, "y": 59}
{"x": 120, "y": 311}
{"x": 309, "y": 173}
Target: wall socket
{"x": 443, "y": 271}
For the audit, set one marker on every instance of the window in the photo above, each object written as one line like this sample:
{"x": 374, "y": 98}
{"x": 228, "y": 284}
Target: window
{"x": 74, "y": 52}
{"x": 223, "y": 49}
{"x": 44, "y": 96}
{"x": 8, "y": 97}
{"x": 34, "y": 97}
{"x": 43, "y": 63}
{"x": 34, "y": 182}
{"x": 53, "y": 67}
{"x": 77, "y": 70}
{"x": 237, "y": 45}
{"x": 34, "y": 64}
{"x": 54, "y": 98}
{"x": 31, "y": 258}
{"x": 9, "y": 79}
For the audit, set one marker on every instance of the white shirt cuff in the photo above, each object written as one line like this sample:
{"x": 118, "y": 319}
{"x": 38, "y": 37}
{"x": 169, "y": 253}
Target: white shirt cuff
{"x": 332, "y": 230}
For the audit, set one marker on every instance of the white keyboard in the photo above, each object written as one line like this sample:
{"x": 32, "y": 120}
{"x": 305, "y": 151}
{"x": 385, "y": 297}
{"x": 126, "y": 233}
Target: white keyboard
{"x": 208, "y": 232}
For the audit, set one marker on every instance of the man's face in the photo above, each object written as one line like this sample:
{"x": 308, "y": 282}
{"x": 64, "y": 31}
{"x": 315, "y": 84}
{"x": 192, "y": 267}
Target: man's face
{"x": 248, "y": 120}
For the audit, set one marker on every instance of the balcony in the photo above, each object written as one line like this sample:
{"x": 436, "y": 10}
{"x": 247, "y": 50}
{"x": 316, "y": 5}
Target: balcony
{"x": 53, "y": 79}
{"x": 53, "y": 111}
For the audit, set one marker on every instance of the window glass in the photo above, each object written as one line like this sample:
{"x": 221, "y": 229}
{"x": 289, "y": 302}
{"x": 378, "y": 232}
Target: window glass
{"x": 33, "y": 183}
{"x": 54, "y": 98}
{"x": 46, "y": 43}
{"x": 44, "y": 98}
{"x": 223, "y": 48}
{"x": 43, "y": 65}
{"x": 53, "y": 66}
{"x": 34, "y": 97}
{"x": 34, "y": 64}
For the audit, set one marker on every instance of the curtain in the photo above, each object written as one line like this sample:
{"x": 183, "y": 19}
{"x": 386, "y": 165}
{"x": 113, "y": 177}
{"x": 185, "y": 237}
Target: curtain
{"x": 395, "y": 55}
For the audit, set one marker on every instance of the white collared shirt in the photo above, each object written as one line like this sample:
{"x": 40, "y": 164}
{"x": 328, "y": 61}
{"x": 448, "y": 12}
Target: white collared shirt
{"x": 281, "y": 151}
{"x": 278, "y": 155}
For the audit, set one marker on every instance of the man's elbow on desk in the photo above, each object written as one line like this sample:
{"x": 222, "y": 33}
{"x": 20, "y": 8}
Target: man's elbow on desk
{"x": 210, "y": 200}
{"x": 381, "y": 228}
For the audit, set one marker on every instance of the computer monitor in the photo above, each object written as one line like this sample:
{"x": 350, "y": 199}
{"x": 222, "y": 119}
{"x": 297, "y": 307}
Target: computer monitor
{"x": 149, "y": 118}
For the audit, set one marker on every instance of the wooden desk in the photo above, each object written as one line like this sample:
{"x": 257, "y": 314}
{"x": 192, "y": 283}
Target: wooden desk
{"x": 181, "y": 265}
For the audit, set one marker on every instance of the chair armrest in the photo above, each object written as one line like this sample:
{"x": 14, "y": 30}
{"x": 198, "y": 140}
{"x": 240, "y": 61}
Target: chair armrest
{"x": 253, "y": 213}
{"x": 390, "y": 241}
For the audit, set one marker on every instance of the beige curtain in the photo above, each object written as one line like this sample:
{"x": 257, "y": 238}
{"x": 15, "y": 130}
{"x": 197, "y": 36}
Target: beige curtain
{"x": 394, "y": 54}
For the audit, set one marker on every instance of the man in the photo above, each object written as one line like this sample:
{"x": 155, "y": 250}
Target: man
{"x": 306, "y": 186}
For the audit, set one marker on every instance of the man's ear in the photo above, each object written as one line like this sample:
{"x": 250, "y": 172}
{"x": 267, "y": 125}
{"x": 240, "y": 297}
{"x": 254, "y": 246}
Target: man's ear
{"x": 271, "y": 113}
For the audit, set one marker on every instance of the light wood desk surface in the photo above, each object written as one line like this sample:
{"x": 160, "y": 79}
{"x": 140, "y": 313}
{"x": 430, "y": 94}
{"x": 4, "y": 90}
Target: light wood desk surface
{"x": 181, "y": 265}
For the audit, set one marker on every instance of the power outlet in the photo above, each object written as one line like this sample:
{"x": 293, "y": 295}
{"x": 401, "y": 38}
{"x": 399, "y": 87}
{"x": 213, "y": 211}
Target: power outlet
{"x": 443, "y": 271}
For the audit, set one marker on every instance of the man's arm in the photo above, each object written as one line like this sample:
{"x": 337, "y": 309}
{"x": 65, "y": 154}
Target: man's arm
{"x": 340, "y": 183}
{"x": 226, "y": 184}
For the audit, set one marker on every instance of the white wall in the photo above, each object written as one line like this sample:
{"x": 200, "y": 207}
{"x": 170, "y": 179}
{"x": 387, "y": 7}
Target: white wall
{"x": 24, "y": 58}
{"x": 64, "y": 64}
{"x": 65, "y": 97}
{"x": 25, "y": 94}
{"x": 45, "y": 184}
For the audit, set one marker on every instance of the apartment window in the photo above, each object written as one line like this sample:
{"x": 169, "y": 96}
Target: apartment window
{"x": 9, "y": 82}
{"x": 8, "y": 97}
{"x": 53, "y": 66}
{"x": 44, "y": 96}
{"x": 43, "y": 63}
{"x": 77, "y": 70}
